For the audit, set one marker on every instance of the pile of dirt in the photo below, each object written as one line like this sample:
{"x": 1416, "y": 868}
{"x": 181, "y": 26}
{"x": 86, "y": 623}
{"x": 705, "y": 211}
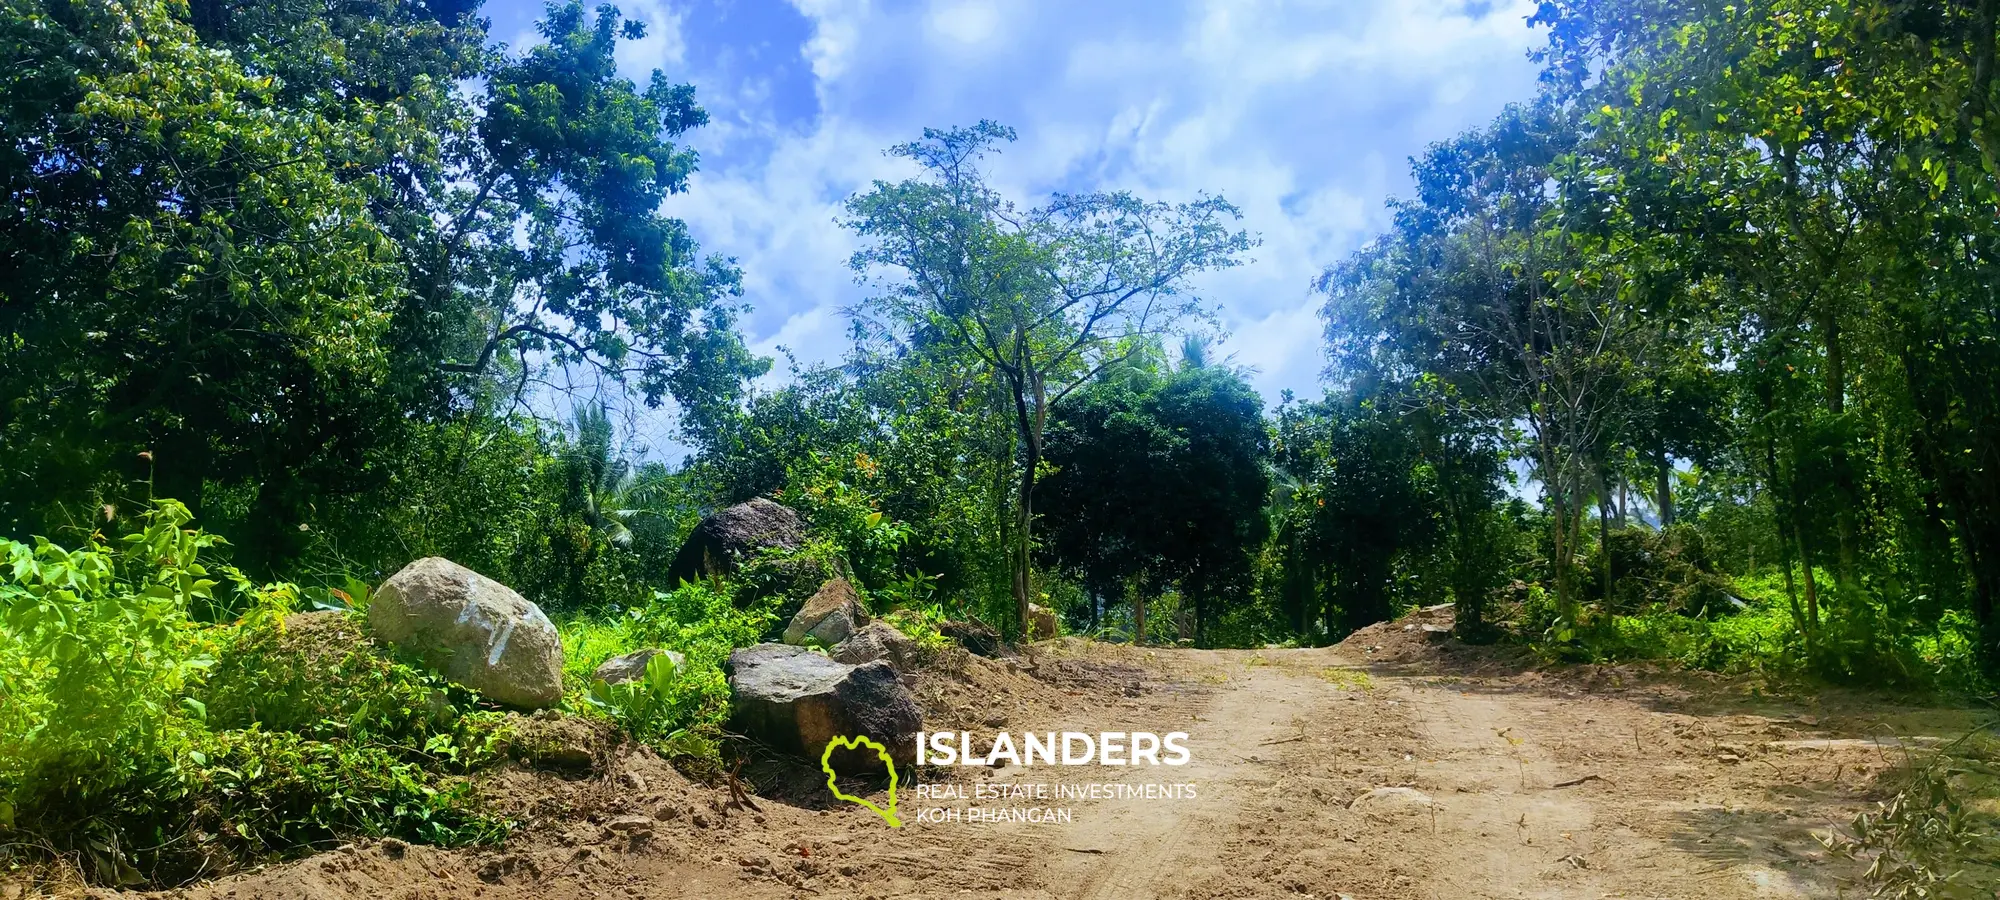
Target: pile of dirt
{"x": 1400, "y": 640}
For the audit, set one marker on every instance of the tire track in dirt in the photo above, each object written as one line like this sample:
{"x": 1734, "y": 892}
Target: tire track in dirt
{"x": 1142, "y": 848}
{"x": 1531, "y": 788}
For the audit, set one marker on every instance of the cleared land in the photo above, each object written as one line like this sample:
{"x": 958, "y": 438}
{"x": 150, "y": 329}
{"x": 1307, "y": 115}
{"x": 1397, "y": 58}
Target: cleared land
{"x": 1396, "y": 765}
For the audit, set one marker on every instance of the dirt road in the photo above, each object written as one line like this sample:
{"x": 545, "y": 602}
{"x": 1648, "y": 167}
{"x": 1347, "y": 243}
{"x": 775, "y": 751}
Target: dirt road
{"x": 1324, "y": 775}
{"x": 1383, "y": 768}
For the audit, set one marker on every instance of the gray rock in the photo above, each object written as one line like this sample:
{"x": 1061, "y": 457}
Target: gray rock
{"x": 635, "y": 824}
{"x": 475, "y": 631}
{"x": 879, "y": 641}
{"x": 723, "y": 541}
{"x": 632, "y": 666}
{"x": 795, "y": 700}
{"x": 828, "y": 617}
{"x": 549, "y": 740}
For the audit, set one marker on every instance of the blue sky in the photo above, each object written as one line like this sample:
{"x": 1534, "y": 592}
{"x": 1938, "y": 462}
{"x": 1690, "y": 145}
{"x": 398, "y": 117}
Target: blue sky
{"x": 1302, "y": 113}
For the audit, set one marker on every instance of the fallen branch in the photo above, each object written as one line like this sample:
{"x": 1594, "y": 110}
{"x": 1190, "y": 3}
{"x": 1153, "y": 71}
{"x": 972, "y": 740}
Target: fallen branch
{"x": 1289, "y": 740}
{"x": 1576, "y": 781}
{"x": 738, "y": 797}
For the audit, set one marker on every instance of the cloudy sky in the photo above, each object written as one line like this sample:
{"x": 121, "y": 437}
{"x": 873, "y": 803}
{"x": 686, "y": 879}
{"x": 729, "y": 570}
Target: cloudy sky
{"x": 1302, "y": 113}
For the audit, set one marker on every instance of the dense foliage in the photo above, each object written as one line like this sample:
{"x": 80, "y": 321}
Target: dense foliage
{"x": 1733, "y": 269}
{"x": 159, "y": 722}
{"x": 253, "y": 257}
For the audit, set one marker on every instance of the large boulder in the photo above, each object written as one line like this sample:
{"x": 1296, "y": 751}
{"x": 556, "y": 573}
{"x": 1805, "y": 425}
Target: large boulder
{"x": 475, "y": 631}
{"x": 632, "y": 666}
{"x": 723, "y": 541}
{"x": 1041, "y": 622}
{"x": 795, "y": 700}
{"x": 828, "y": 617}
{"x": 879, "y": 640}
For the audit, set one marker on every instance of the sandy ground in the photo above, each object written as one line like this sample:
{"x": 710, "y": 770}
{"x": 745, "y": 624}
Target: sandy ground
{"x": 1397, "y": 765}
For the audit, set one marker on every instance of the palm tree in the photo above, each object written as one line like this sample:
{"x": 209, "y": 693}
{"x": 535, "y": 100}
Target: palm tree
{"x": 1194, "y": 351}
{"x": 599, "y": 477}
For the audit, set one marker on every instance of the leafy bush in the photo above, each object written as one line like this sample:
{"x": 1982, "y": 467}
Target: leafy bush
{"x": 1669, "y": 569}
{"x": 100, "y": 645}
{"x": 1754, "y": 628}
{"x": 146, "y": 739}
{"x": 836, "y": 496}
{"x": 922, "y": 624}
{"x": 1926, "y": 841}
{"x": 260, "y": 793}
{"x": 664, "y": 705}
{"x": 681, "y": 711}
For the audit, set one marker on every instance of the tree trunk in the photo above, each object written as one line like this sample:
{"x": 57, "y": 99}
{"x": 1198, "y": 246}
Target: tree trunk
{"x": 1664, "y": 487}
{"x": 1604, "y": 528}
{"x": 1024, "y": 520}
{"x": 1624, "y": 499}
{"x": 1812, "y": 589}
{"x": 1297, "y": 585}
{"x": 1198, "y": 593}
{"x": 1563, "y": 530}
{"x": 1029, "y": 423}
{"x": 1836, "y": 403}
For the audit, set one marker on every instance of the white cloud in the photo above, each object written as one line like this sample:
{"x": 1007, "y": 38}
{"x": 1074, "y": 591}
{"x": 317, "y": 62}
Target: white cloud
{"x": 662, "y": 47}
{"x": 966, "y": 21}
{"x": 1302, "y": 113}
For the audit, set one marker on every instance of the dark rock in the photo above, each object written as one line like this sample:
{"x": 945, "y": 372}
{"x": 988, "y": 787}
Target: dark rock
{"x": 795, "y": 700}
{"x": 978, "y": 638}
{"x": 726, "y": 539}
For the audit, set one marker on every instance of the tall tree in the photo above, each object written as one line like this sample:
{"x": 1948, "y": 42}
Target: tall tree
{"x": 1492, "y": 284}
{"x": 1044, "y": 297}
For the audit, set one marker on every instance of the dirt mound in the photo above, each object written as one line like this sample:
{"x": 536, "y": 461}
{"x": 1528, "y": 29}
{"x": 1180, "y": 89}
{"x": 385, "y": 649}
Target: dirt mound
{"x": 1420, "y": 635}
{"x": 1422, "y": 640}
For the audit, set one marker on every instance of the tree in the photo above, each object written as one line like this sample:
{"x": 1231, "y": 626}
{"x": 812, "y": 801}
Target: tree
{"x": 1520, "y": 307}
{"x": 1159, "y": 477}
{"x": 1045, "y": 297}
{"x": 580, "y": 160}
{"x": 254, "y": 249}
{"x": 196, "y": 291}
{"x": 1833, "y": 165}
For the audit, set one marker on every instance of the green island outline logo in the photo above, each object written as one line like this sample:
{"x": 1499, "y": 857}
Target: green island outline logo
{"x": 856, "y": 743}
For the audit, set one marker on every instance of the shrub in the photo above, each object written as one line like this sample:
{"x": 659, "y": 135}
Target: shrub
{"x": 682, "y": 711}
{"x": 145, "y": 738}
{"x": 1926, "y": 841}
